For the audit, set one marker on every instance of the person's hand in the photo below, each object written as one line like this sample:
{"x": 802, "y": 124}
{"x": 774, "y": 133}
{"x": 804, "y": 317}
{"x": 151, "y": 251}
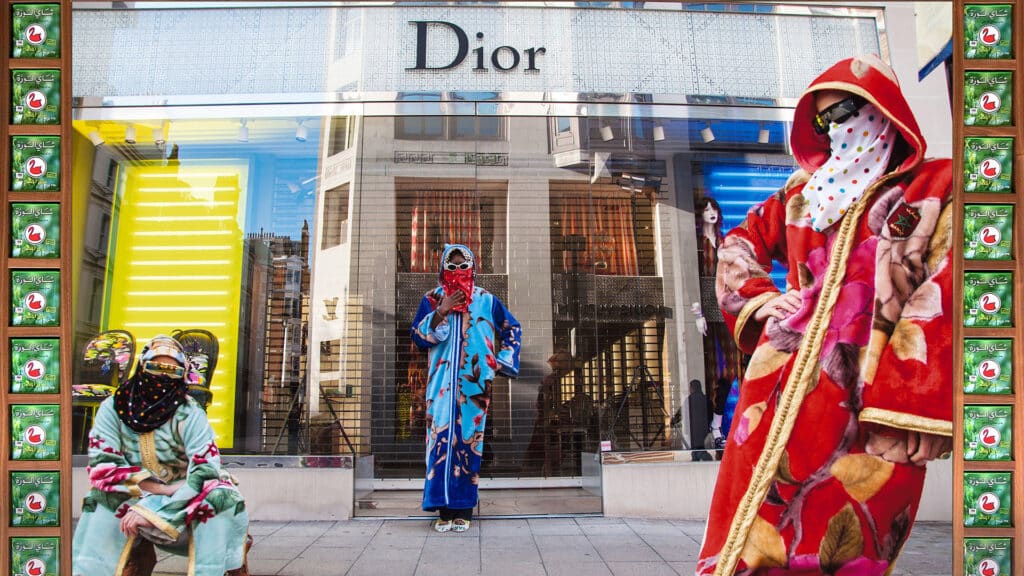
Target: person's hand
{"x": 890, "y": 444}
{"x": 450, "y": 302}
{"x": 132, "y": 521}
{"x": 901, "y": 446}
{"x": 779, "y": 307}
{"x": 922, "y": 447}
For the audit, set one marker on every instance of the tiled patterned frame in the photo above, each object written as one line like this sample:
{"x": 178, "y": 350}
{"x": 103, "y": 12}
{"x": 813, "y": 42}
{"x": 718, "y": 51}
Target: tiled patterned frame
{"x": 960, "y": 131}
{"x": 63, "y": 331}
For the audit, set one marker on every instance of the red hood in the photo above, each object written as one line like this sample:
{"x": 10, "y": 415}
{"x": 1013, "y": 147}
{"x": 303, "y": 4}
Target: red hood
{"x": 870, "y": 78}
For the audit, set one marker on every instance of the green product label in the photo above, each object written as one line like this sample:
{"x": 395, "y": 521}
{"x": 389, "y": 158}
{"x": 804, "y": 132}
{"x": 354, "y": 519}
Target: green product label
{"x": 987, "y": 498}
{"x": 988, "y": 366}
{"x": 988, "y": 231}
{"x": 35, "y": 96}
{"x": 988, "y": 98}
{"x": 35, "y": 365}
{"x": 35, "y": 163}
{"x": 988, "y": 164}
{"x": 35, "y": 556}
{"x": 35, "y": 431}
{"x": 35, "y": 499}
{"x": 35, "y": 31}
{"x": 988, "y": 299}
{"x": 988, "y": 31}
{"x": 988, "y": 556}
{"x": 35, "y": 298}
{"x": 35, "y": 230}
{"x": 988, "y": 432}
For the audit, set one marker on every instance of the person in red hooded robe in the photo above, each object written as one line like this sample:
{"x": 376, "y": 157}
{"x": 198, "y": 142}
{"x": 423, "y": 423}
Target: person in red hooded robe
{"x": 848, "y": 392}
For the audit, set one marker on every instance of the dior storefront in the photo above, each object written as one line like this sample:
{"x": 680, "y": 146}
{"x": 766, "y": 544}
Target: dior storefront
{"x": 284, "y": 177}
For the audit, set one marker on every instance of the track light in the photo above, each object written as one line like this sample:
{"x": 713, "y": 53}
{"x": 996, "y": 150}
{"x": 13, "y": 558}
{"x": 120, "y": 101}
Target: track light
{"x": 129, "y": 134}
{"x": 96, "y": 139}
{"x": 606, "y": 133}
{"x": 659, "y": 132}
{"x": 301, "y": 133}
{"x": 243, "y": 131}
{"x": 762, "y": 134}
{"x": 706, "y": 134}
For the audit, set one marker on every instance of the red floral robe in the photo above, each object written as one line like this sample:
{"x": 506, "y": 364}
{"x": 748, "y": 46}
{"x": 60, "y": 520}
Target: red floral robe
{"x": 870, "y": 347}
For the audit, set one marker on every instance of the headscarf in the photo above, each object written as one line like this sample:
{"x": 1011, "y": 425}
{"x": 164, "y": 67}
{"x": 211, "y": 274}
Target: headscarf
{"x": 873, "y": 80}
{"x": 146, "y": 400}
{"x": 458, "y": 280}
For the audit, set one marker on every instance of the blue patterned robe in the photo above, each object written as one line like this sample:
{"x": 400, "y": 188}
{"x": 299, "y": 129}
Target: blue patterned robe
{"x": 480, "y": 342}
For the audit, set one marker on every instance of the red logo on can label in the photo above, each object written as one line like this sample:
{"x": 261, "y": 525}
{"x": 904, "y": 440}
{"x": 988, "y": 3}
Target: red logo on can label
{"x": 989, "y": 370}
{"x": 988, "y": 503}
{"x": 990, "y": 236}
{"x": 34, "y": 370}
{"x": 35, "y": 234}
{"x": 989, "y": 437}
{"x": 988, "y": 35}
{"x": 35, "y": 34}
{"x": 989, "y": 102}
{"x": 991, "y": 169}
{"x": 35, "y": 502}
{"x": 35, "y": 100}
{"x": 35, "y": 567}
{"x": 989, "y": 303}
{"x": 35, "y": 167}
{"x": 35, "y": 435}
{"x": 988, "y": 567}
{"x": 35, "y": 302}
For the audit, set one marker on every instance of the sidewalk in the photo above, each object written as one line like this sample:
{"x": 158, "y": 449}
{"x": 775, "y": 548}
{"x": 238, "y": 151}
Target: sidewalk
{"x": 585, "y": 546}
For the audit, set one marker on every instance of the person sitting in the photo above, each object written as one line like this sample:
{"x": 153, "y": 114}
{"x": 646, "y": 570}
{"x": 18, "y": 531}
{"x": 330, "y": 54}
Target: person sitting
{"x": 156, "y": 478}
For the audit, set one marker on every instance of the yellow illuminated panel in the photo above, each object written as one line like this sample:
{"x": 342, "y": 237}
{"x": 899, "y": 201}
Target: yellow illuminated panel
{"x": 175, "y": 262}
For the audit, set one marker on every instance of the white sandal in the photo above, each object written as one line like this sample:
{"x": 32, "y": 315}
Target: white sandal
{"x": 460, "y": 525}
{"x": 442, "y": 525}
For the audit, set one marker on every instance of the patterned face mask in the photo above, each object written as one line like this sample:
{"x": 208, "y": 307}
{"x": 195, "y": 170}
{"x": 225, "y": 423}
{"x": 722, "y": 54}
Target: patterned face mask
{"x": 860, "y": 151}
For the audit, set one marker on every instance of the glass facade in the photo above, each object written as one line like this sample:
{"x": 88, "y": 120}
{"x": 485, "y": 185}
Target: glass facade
{"x": 294, "y": 205}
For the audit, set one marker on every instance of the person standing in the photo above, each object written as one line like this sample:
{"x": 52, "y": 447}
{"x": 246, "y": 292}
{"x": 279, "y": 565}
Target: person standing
{"x": 470, "y": 337}
{"x": 847, "y": 394}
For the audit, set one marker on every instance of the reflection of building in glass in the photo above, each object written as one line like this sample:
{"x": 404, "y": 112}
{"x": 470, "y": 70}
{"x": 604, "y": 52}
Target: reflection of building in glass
{"x": 278, "y": 315}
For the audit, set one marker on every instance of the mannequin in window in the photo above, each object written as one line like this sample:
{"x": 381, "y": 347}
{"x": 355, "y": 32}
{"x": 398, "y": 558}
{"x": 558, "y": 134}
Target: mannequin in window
{"x": 722, "y": 359}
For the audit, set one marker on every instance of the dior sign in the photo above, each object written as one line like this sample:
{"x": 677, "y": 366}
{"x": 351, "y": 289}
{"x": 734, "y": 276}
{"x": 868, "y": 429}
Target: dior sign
{"x": 502, "y": 58}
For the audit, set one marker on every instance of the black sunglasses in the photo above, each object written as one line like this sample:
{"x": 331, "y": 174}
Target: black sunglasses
{"x": 839, "y": 112}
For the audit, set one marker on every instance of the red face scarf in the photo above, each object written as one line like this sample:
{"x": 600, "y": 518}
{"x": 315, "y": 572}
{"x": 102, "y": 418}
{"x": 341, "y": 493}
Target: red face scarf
{"x": 453, "y": 281}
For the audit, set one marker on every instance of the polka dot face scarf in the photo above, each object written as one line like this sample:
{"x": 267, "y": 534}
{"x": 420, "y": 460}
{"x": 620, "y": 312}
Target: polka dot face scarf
{"x": 861, "y": 147}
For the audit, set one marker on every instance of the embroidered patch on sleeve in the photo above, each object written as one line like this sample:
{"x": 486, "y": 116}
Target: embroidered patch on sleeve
{"x": 903, "y": 221}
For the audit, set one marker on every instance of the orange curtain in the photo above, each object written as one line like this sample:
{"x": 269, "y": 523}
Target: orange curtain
{"x": 439, "y": 218}
{"x": 606, "y": 225}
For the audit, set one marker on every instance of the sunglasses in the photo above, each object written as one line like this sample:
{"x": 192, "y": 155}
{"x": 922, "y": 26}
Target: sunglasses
{"x": 837, "y": 113}
{"x": 459, "y": 266}
{"x": 161, "y": 369}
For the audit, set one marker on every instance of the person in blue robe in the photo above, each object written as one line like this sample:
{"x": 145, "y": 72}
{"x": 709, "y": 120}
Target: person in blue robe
{"x": 470, "y": 336}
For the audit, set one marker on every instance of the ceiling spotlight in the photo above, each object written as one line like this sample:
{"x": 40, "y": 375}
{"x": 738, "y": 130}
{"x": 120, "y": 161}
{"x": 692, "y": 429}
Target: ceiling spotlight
{"x": 96, "y": 139}
{"x": 243, "y": 131}
{"x": 706, "y": 134}
{"x": 129, "y": 134}
{"x": 659, "y": 132}
{"x": 606, "y": 133}
{"x": 301, "y": 133}
{"x": 762, "y": 134}
{"x": 160, "y": 137}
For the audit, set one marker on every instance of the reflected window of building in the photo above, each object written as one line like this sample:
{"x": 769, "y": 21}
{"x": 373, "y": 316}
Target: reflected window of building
{"x": 421, "y": 117}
